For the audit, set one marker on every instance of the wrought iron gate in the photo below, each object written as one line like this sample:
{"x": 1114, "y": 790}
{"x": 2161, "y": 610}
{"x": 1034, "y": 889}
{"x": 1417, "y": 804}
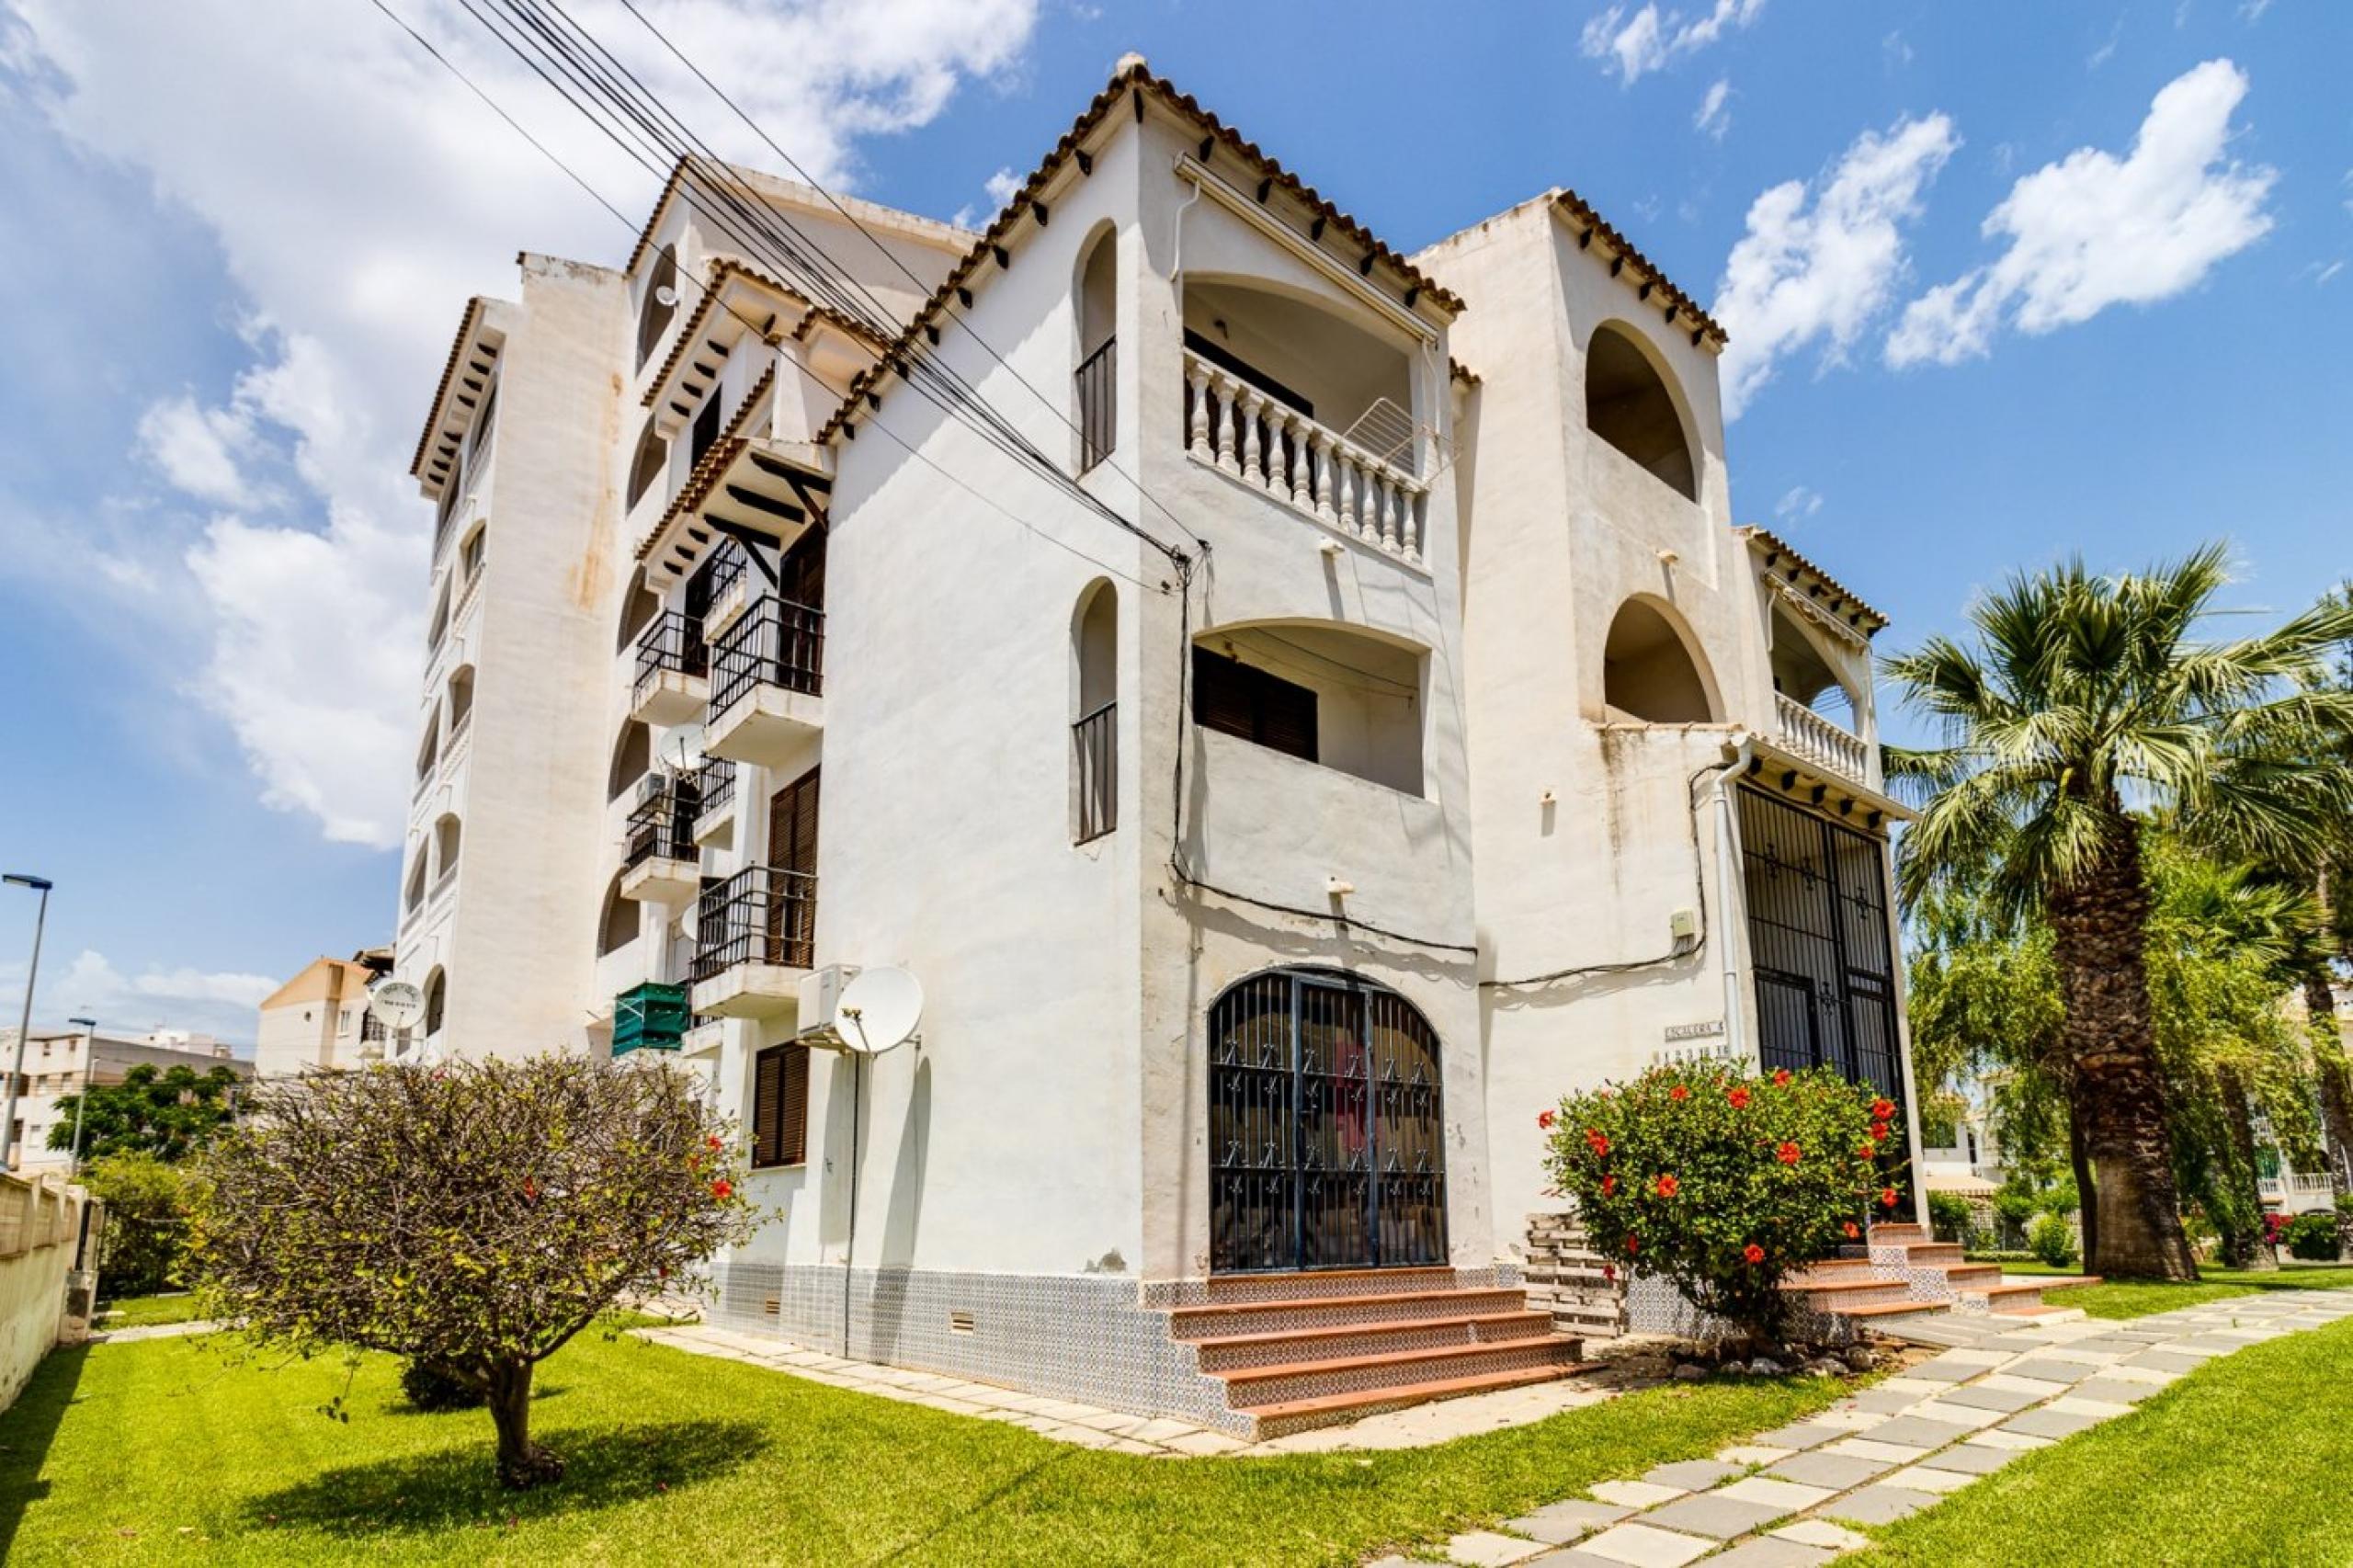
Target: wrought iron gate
{"x": 1327, "y": 1143}
{"x": 1819, "y": 937}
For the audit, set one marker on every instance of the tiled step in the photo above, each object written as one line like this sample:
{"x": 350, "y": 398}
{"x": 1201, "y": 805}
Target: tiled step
{"x": 1254, "y": 1388}
{"x": 1969, "y": 1278}
{"x": 1349, "y": 1341}
{"x": 1892, "y": 1310}
{"x": 1846, "y": 1295}
{"x": 1330, "y": 1409}
{"x": 2022, "y": 1296}
{"x": 1834, "y": 1270}
{"x": 1897, "y": 1235}
{"x": 1327, "y": 1283}
{"x": 1319, "y": 1312}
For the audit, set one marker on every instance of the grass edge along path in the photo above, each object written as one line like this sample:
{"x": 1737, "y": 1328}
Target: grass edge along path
{"x": 2241, "y": 1461}
{"x": 680, "y": 1457}
{"x": 2139, "y": 1298}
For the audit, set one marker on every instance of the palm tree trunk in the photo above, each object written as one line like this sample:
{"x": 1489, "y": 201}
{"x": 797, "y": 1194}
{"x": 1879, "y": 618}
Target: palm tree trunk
{"x": 2099, "y": 925}
{"x": 2242, "y": 1242}
{"x": 2336, "y": 1095}
{"x": 2079, "y": 1160}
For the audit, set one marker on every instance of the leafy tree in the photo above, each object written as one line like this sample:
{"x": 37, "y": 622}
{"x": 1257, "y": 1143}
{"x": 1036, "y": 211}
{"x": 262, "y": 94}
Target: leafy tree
{"x": 147, "y": 1200}
{"x": 168, "y": 1112}
{"x": 2083, "y": 703}
{"x": 1721, "y": 1183}
{"x": 473, "y": 1216}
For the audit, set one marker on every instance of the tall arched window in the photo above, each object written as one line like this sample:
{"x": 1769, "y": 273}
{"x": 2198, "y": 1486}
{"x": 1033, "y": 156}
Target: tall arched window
{"x": 1648, "y": 672}
{"x": 1627, "y": 403}
{"x": 414, "y": 894}
{"x": 645, "y": 467}
{"x": 461, "y": 699}
{"x": 446, "y": 836}
{"x": 1094, "y": 713}
{"x": 1098, "y": 375}
{"x": 640, "y": 605}
{"x": 633, "y": 755}
{"x": 660, "y": 304}
{"x": 617, "y": 925}
{"x": 429, "y": 752}
{"x": 437, "y": 998}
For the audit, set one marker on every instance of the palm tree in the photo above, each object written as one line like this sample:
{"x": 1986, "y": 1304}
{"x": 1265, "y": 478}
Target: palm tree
{"x": 2083, "y": 703}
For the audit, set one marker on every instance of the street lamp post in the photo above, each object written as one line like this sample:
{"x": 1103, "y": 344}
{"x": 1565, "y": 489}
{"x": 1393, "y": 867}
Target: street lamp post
{"x": 89, "y": 1028}
{"x": 25, "y": 1022}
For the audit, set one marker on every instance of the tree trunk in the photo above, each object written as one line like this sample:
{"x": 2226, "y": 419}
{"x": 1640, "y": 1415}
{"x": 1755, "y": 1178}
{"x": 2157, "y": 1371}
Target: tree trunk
{"x": 2079, "y": 1160}
{"x": 2243, "y": 1245}
{"x": 521, "y": 1462}
{"x": 2336, "y": 1095}
{"x": 2099, "y": 924}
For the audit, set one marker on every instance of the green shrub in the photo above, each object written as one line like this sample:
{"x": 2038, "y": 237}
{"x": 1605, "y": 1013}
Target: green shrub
{"x": 1949, "y": 1216}
{"x": 432, "y": 1389}
{"x": 146, "y": 1217}
{"x": 1724, "y": 1183}
{"x": 2050, "y": 1239}
{"x": 2312, "y": 1237}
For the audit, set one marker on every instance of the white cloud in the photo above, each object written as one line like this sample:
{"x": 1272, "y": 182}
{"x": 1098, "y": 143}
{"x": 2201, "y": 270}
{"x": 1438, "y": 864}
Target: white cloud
{"x": 1817, "y": 266}
{"x": 218, "y": 1003}
{"x": 2106, "y": 50}
{"x": 1648, "y": 39}
{"x": 359, "y": 194}
{"x": 2319, "y": 273}
{"x": 1797, "y": 503}
{"x": 1715, "y": 109}
{"x": 1000, "y": 188}
{"x": 2093, "y": 230}
{"x": 1894, "y": 53}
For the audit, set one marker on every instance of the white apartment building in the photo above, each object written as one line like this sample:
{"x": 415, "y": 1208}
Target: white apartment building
{"x": 1380, "y": 731}
{"x": 59, "y": 1062}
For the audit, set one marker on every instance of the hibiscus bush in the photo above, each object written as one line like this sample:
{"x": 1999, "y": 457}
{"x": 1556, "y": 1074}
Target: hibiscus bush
{"x": 1723, "y": 1182}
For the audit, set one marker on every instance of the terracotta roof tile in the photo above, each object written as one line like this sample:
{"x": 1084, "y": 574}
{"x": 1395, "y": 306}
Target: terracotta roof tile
{"x": 1775, "y": 548}
{"x": 1580, "y": 211}
{"x": 466, "y": 324}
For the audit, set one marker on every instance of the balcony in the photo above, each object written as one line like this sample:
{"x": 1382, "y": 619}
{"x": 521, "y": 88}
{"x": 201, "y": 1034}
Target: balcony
{"x": 1324, "y": 476}
{"x": 715, "y": 786}
{"x": 1813, "y": 738}
{"x": 730, "y": 591}
{"x": 673, "y": 671}
{"x": 754, "y": 935}
{"x": 660, "y": 862}
{"x": 652, "y": 1016}
{"x": 768, "y": 678}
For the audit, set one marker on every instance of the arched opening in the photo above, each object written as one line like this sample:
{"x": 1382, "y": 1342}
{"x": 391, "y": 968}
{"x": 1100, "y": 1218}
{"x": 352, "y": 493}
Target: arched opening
{"x": 436, "y": 997}
{"x": 440, "y": 624}
{"x": 661, "y": 303}
{"x": 1805, "y": 677}
{"x": 429, "y": 753}
{"x": 1307, "y": 358}
{"x": 1650, "y": 673}
{"x": 1627, "y": 403}
{"x": 1097, "y": 379}
{"x": 632, "y": 755}
{"x": 461, "y": 699}
{"x": 640, "y": 605}
{"x": 1094, "y": 714}
{"x": 645, "y": 467}
{"x": 447, "y": 833}
{"x": 473, "y": 553}
{"x": 1322, "y": 692}
{"x": 414, "y": 894}
{"x": 1327, "y": 1126}
{"x": 617, "y": 925}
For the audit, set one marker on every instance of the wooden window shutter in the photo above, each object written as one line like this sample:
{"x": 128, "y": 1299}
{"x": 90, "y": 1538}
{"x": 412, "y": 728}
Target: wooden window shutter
{"x": 1287, "y": 717}
{"x": 767, "y": 1104}
{"x": 1242, "y": 699}
{"x": 792, "y": 1129}
{"x": 1221, "y": 695}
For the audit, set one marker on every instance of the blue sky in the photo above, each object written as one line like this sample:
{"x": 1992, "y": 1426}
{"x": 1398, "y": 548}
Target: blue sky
{"x": 238, "y": 238}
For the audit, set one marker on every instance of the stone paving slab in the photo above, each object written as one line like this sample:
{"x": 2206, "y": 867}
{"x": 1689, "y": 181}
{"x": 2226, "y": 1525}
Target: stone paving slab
{"x": 1558, "y": 1524}
{"x": 1821, "y": 1532}
{"x": 1637, "y": 1493}
{"x": 1645, "y": 1546}
{"x": 1985, "y": 1396}
{"x": 1488, "y": 1549}
{"x": 1715, "y": 1515}
{"x": 1767, "y": 1552}
{"x": 1919, "y": 1432}
{"x": 1803, "y": 1434}
{"x": 1928, "y": 1476}
{"x": 1878, "y": 1505}
{"x": 1872, "y": 1448}
{"x": 1969, "y": 1459}
{"x": 1692, "y": 1475}
{"x": 2048, "y": 1423}
{"x": 1836, "y": 1471}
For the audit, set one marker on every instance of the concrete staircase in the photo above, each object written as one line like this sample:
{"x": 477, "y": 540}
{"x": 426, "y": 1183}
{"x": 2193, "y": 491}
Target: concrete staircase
{"x": 1294, "y": 1351}
{"x": 1900, "y": 1274}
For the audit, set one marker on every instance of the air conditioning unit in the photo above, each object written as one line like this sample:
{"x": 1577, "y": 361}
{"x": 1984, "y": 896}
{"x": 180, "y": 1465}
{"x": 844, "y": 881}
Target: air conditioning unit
{"x": 821, "y": 995}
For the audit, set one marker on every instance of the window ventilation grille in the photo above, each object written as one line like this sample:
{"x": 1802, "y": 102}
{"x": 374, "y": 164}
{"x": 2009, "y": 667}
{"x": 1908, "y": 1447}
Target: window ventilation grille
{"x": 961, "y": 1322}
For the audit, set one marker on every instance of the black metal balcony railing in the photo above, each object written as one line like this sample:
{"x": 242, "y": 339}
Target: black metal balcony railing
{"x": 662, "y": 824}
{"x": 1098, "y": 403}
{"x": 776, "y": 643}
{"x": 672, "y": 642}
{"x": 714, "y": 786}
{"x": 761, "y": 914}
{"x": 723, "y": 569}
{"x": 1095, "y": 756}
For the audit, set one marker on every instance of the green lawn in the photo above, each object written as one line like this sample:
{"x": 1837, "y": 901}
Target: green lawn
{"x": 140, "y": 1311}
{"x": 2139, "y": 1298}
{"x": 2242, "y": 1462}
{"x": 171, "y": 1449}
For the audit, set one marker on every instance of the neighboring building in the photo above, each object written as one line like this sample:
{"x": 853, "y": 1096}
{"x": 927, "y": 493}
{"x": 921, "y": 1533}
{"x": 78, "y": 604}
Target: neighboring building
{"x": 1377, "y": 731}
{"x": 56, "y": 1063}
{"x": 319, "y": 1021}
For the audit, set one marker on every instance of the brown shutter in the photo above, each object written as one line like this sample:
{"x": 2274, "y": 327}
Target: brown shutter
{"x": 1242, "y": 699}
{"x": 767, "y": 1099}
{"x": 1287, "y": 717}
{"x": 792, "y": 1132}
{"x": 1221, "y": 695}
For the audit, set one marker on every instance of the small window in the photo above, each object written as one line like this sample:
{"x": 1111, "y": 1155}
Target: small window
{"x": 437, "y": 999}
{"x": 645, "y": 467}
{"x": 781, "y": 1106}
{"x": 618, "y": 926}
{"x": 660, "y": 304}
{"x": 1242, "y": 699}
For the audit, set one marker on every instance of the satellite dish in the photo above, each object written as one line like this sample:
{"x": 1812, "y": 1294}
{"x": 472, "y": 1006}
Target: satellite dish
{"x": 397, "y": 1003}
{"x": 667, "y": 297}
{"x": 880, "y": 1009}
{"x": 682, "y": 747}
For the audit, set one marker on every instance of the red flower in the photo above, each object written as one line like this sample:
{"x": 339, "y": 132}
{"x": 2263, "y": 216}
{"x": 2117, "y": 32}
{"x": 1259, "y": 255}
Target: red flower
{"x": 1754, "y": 1252}
{"x": 1608, "y": 1185}
{"x": 1739, "y": 1098}
{"x": 531, "y": 1189}
{"x": 723, "y": 1188}
{"x": 1787, "y": 1153}
{"x": 1609, "y": 1272}
{"x": 1633, "y": 1244}
{"x": 1668, "y": 1187}
{"x": 1883, "y": 1110}
{"x": 1868, "y": 1151}
{"x": 1545, "y": 1118}
{"x": 1678, "y": 1093}
{"x": 1853, "y": 1230}
{"x": 1878, "y": 1129}
{"x": 713, "y": 1140}
{"x": 1887, "y": 1198}
{"x": 1781, "y": 1076}
{"x": 1600, "y": 1144}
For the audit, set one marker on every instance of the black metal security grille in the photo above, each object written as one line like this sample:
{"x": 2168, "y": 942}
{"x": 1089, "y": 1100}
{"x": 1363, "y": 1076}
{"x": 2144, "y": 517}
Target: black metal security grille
{"x": 1098, "y": 408}
{"x": 672, "y": 643}
{"x": 776, "y": 643}
{"x": 1326, "y": 1127}
{"x": 1095, "y": 756}
{"x": 1819, "y": 936}
{"x": 761, "y": 914}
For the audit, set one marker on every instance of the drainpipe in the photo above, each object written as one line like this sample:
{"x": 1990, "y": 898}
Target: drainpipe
{"x": 1728, "y": 893}
{"x": 1177, "y": 260}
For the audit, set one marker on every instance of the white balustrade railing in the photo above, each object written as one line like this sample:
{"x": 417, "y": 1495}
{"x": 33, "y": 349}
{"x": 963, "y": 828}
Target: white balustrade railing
{"x": 1236, "y": 428}
{"x": 1816, "y": 739}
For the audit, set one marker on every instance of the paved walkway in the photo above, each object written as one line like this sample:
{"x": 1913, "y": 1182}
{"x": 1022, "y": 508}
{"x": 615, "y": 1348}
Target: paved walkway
{"x": 133, "y": 1336}
{"x": 2003, "y": 1388}
{"x": 1124, "y": 1432}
